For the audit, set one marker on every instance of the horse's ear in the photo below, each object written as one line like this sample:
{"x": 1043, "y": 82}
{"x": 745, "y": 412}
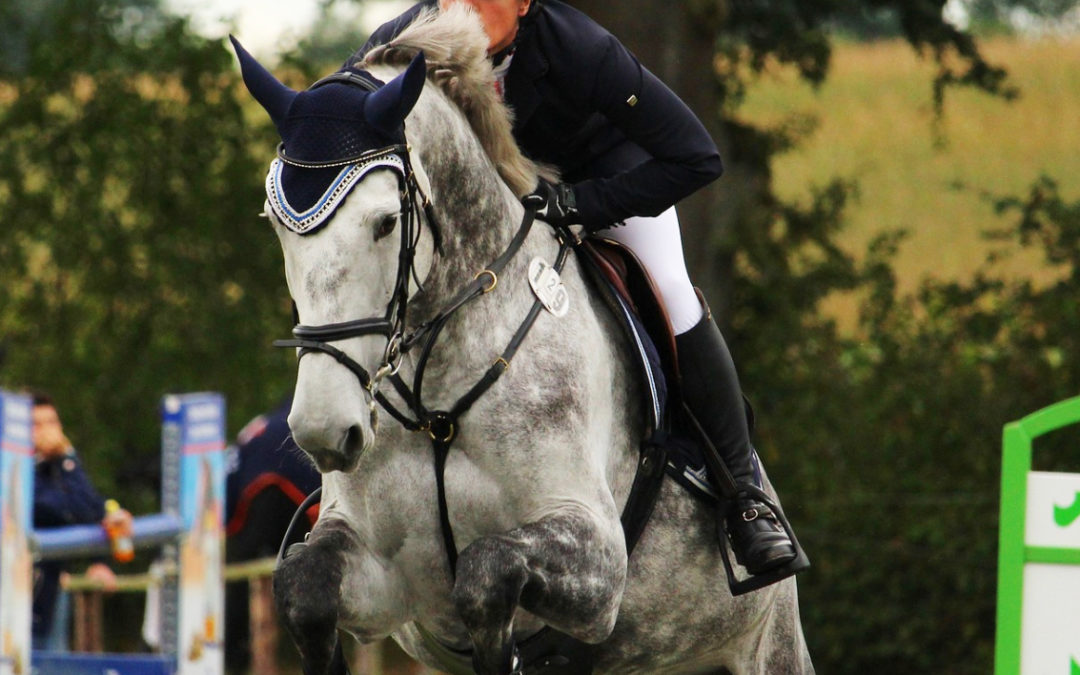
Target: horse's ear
{"x": 274, "y": 96}
{"x": 386, "y": 108}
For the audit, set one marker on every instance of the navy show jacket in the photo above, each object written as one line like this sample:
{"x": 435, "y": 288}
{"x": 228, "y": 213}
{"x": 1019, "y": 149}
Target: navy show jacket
{"x": 583, "y": 103}
{"x": 63, "y": 495}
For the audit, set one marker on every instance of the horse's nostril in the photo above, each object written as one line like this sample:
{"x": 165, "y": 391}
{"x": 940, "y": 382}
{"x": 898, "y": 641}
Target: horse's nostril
{"x": 353, "y": 441}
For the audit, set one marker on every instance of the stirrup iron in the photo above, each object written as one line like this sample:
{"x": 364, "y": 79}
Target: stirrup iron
{"x": 730, "y": 492}
{"x": 752, "y": 583}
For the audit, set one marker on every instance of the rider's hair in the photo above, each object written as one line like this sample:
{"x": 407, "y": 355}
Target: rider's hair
{"x": 455, "y": 47}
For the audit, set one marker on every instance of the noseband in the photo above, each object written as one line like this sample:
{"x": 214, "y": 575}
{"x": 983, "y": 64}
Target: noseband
{"x": 392, "y": 324}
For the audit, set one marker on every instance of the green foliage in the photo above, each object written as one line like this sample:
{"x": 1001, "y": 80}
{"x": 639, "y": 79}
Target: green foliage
{"x": 796, "y": 34}
{"x": 887, "y": 444}
{"x": 132, "y": 262}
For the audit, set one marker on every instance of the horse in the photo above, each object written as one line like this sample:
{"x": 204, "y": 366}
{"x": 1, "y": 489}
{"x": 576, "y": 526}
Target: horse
{"x": 485, "y": 511}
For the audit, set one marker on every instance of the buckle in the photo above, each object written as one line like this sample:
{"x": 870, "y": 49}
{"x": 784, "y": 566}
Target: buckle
{"x": 494, "y": 280}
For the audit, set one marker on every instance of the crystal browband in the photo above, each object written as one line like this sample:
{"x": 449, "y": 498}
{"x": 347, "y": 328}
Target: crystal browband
{"x": 311, "y": 219}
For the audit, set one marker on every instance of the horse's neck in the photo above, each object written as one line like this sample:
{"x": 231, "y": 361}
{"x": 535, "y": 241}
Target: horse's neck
{"x": 479, "y": 217}
{"x": 476, "y": 212}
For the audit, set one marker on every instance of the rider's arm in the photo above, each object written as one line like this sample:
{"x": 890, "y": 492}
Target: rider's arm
{"x": 63, "y": 495}
{"x": 684, "y": 157}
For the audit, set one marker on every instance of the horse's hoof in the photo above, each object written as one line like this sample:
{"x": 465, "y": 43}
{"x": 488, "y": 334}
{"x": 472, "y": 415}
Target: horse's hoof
{"x": 507, "y": 663}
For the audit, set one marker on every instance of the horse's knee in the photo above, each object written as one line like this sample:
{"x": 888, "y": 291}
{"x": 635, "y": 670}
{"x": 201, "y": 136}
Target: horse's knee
{"x": 307, "y": 591}
{"x": 490, "y": 579}
{"x": 563, "y": 569}
{"x": 582, "y": 576}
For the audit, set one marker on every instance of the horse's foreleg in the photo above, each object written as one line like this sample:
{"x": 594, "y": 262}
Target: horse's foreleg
{"x": 307, "y": 588}
{"x": 568, "y": 569}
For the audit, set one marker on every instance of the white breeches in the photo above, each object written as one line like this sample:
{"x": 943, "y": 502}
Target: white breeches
{"x": 657, "y": 244}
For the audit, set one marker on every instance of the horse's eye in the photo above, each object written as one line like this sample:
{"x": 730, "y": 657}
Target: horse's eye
{"x": 386, "y": 227}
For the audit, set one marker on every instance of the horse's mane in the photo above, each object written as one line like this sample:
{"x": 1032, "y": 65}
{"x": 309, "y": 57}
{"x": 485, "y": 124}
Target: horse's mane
{"x": 455, "y": 46}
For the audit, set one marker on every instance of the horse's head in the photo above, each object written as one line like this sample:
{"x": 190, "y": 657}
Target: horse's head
{"x": 342, "y": 199}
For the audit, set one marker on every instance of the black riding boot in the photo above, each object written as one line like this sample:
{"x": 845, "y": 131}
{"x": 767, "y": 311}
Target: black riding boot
{"x": 710, "y": 388}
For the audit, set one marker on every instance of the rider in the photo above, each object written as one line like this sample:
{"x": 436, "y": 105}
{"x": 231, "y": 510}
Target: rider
{"x": 628, "y": 149}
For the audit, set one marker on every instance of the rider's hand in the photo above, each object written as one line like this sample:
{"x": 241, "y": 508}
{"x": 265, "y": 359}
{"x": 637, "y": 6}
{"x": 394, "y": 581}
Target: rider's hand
{"x": 554, "y": 203}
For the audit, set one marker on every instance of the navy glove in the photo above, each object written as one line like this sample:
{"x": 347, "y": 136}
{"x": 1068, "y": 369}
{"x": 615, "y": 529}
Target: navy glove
{"x": 554, "y": 203}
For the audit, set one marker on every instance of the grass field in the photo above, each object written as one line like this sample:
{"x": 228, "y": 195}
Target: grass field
{"x": 876, "y": 126}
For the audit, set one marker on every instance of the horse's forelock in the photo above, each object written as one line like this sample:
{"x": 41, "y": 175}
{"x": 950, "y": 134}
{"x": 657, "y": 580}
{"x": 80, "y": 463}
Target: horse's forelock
{"x": 455, "y": 45}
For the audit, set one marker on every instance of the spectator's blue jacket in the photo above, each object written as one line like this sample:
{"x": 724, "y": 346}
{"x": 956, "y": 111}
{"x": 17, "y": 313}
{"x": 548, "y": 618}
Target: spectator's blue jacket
{"x": 63, "y": 495}
{"x": 583, "y": 103}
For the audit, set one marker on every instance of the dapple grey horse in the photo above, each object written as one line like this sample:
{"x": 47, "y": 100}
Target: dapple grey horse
{"x": 541, "y": 463}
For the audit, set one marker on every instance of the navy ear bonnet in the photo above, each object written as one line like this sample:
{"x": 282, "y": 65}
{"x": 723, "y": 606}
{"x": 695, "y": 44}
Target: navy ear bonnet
{"x": 332, "y": 125}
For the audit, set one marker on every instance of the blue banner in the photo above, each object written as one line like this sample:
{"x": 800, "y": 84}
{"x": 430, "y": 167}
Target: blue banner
{"x": 16, "y": 513}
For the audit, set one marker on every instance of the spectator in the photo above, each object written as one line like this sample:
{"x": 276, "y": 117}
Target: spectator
{"x": 63, "y": 495}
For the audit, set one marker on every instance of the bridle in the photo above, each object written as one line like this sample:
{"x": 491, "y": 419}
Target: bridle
{"x": 391, "y": 324}
{"x": 440, "y": 425}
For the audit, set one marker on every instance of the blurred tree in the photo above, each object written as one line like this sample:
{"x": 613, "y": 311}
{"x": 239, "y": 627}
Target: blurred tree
{"x": 741, "y": 40}
{"x": 1001, "y": 12}
{"x": 132, "y": 261}
{"x": 884, "y": 443}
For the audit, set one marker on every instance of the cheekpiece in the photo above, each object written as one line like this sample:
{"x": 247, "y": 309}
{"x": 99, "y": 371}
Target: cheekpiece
{"x": 311, "y": 219}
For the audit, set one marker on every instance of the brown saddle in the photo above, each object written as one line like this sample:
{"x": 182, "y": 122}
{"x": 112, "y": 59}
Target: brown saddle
{"x": 629, "y": 278}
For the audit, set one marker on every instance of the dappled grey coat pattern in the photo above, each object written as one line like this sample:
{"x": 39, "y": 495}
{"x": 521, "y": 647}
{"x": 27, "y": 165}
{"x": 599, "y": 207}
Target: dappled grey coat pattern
{"x": 541, "y": 465}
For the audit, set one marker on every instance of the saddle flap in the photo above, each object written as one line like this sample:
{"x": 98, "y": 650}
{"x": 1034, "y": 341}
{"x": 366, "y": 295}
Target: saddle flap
{"x": 631, "y": 280}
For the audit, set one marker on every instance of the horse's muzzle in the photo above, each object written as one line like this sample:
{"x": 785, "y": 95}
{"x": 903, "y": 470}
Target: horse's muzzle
{"x": 344, "y": 457}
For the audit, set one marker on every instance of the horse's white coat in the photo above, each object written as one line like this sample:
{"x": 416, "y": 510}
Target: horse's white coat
{"x": 541, "y": 465}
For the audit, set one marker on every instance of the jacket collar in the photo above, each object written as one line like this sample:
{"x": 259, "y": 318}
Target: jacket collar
{"x": 528, "y": 66}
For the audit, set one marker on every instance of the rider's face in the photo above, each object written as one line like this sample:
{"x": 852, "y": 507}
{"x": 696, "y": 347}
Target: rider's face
{"x": 500, "y": 19}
